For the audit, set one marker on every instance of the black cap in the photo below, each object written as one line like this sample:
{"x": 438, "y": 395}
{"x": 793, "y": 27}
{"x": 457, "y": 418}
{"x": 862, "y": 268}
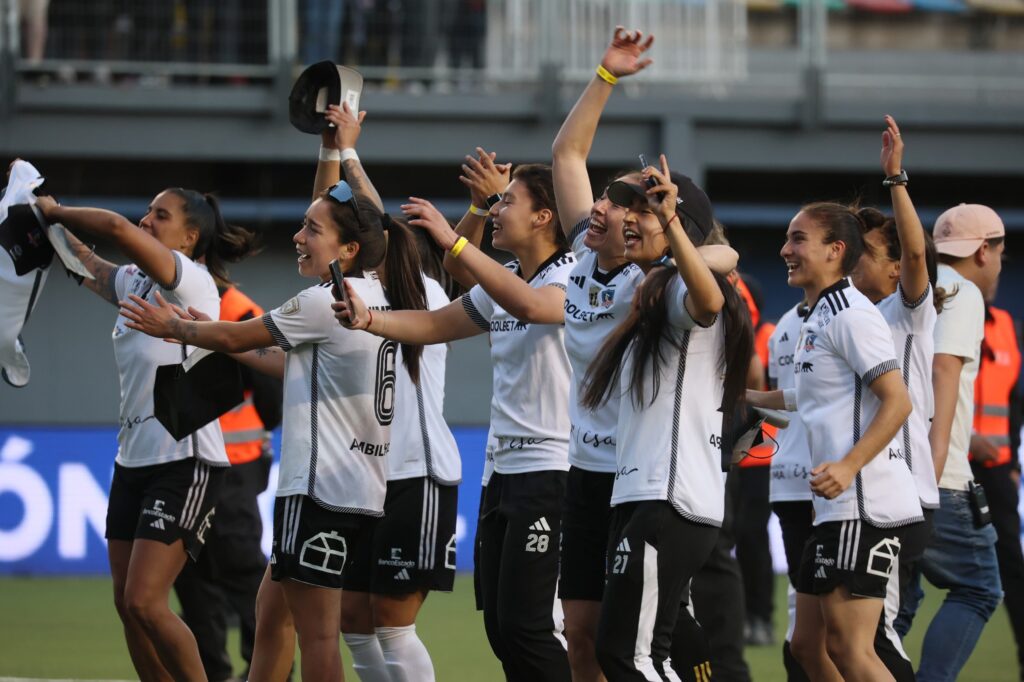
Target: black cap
{"x": 306, "y": 103}
{"x": 691, "y": 203}
{"x": 23, "y": 236}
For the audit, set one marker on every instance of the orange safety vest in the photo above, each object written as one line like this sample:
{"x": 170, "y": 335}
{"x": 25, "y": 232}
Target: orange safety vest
{"x": 997, "y": 375}
{"x": 244, "y": 432}
{"x": 760, "y": 455}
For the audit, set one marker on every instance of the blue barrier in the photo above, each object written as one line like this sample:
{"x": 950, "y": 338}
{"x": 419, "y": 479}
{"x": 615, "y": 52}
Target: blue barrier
{"x": 53, "y": 497}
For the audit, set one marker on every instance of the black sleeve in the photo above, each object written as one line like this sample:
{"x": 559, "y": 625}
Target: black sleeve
{"x": 267, "y": 397}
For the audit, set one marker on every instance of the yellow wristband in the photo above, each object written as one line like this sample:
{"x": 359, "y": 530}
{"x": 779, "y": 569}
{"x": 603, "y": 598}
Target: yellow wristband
{"x": 459, "y": 246}
{"x": 482, "y": 212}
{"x": 606, "y": 75}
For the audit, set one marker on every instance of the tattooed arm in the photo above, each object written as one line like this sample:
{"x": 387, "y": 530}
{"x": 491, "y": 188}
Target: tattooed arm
{"x": 104, "y": 271}
{"x": 269, "y": 361}
{"x": 344, "y": 135}
{"x": 164, "y": 322}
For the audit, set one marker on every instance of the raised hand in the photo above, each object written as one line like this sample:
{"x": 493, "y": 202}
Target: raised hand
{"x": 892, "y": 148}
{"x": 663, "y": 194}
{"x": 47, "y": 205}
{"x": 484, "y": 177}
{"x": 422, "y": 213}
{"x": 160, "y": 320}
{"x": 347, "y": 125}
{"x": 624, "y": 55}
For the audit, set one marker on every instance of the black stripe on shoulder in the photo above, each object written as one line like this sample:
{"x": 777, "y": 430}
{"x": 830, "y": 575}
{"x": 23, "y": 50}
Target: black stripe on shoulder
{"x": 880, "y": 369}
{"x": 280, "y": 339}
{"x": 914, "y": 304}
{"x": 474, "y": 314}
{"x": 831, "y": 303}
{"x": 579, "y": 229}
{"x": 842, "y": 296}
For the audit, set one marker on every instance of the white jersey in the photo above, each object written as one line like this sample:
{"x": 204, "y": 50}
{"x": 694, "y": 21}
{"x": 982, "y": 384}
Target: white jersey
{"x": 844, "y": 346}
{"x": 142, "y": 440}
{"x": 670, "y": 446}
{"x": 959, "y": 331}
{"x": 421, "y": 442}
{"x": 492, "y": 445}
{"x": 339, "y": 400}
{"x": 595, "y": 303}
{"x": 913, "y": 328}
{"x": 791, "y": 464}
{"x": 531, "y": 375}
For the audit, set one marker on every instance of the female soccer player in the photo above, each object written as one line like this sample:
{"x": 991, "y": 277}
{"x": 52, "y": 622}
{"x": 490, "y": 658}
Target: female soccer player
{"x": 599, "y": 296}
{"x": 338, "y": 406}
{"x": 897, "y": 273}
{"x": 521, "y": 305}
{"x": 163, "y": 491}
{"x": 862, "y": 508}
{"x": 665, "y": 363}
{"x": 412, "y": 549}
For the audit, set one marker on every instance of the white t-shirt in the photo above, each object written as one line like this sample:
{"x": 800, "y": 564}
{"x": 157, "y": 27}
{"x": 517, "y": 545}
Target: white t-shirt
{"x": 421, "y": 442}
{"x": 670, "y": 448}
{"x": 595, "y": 303}
{"x": 844, "y": 346}
{"x": 913, "y": 327}
{"x": 339, "y": 401}
{"x": 142, "y": 440}
{"x": 959, "y": 331}
{"x": 531, "y": 374}
{"x": 791, "y": 465}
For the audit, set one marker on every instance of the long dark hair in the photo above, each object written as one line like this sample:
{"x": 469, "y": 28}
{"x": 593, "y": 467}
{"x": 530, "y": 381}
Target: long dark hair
{"x": 646, "y": 329}
{"x": 432, "y": 261}
{"x": 539, "y": 184}
{"x": 403, "y": 280}
{"x": 218, "y": 242}
{"x": 873, "y": 219}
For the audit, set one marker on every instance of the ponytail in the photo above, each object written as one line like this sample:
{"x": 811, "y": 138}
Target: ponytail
{"x": 403, "y": 279}
{"x": 218, "y": 242}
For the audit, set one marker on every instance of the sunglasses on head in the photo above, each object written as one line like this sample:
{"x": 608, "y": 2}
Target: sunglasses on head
{"x": 342, "y": 193}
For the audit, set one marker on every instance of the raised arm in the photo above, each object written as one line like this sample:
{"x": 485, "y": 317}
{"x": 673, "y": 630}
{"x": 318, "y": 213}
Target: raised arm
{"x": 103, "y": 271}
{"x": 342, "y": 139}
{"x": 832, "y": 478}
{"x": 142, "y": 248}
{"x": 163, "y": 322}
{"x": 484, "y": 178}
{"x": 544, "y": 305}
{"x": 704, "y": 299}
{"x": 913, "y": 267}
{"x": 422, "y": 327}
{"x": 571, "y": 147}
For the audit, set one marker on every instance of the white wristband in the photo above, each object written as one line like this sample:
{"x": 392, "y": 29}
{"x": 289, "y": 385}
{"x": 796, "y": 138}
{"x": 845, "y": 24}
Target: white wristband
{"x": 329, "y": 154}
{"x": 789, "y": 397}
{"x": 349, "y": 154}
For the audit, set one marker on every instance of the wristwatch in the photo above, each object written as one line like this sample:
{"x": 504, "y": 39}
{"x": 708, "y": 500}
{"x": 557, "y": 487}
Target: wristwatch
{"x": 493, "y": 199}
{"x": 900, "y": 179}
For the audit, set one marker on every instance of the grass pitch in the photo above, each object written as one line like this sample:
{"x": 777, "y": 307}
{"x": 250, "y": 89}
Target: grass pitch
{"x": 66, "y": 628}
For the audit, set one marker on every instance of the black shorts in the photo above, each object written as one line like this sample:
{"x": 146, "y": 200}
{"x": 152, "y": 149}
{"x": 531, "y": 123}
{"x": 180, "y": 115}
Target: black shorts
{"x": 314, "y": 545}
{"x": 854, "y": 554}
{"x": 796, "y": 519}
{"x": 164, "y": 502}
{"x": 584, "y": 540}
{"x": 413, "y": 546}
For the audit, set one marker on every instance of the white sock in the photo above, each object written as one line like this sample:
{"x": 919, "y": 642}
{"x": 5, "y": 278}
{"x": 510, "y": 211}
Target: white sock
{"x": 407, "y": 659}
{"x": 367, "y": 657}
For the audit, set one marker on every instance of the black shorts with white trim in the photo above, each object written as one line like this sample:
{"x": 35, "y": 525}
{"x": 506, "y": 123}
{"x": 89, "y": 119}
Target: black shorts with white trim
{"x": 584, "y": 539}
{"x": 413, "y": 546}
{"x": 854, "y": 554}
{"x": 314, "y": 545}
{"x": 164, "y": 502}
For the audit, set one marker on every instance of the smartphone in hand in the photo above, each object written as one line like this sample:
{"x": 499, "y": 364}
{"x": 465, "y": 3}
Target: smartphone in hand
{"x": 650, "y": 182}
{"x": 340, "y": 293}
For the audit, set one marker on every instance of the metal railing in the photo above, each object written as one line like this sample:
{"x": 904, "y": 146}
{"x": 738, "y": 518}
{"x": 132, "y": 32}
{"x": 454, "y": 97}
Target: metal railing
{"x": 390, "y": 41}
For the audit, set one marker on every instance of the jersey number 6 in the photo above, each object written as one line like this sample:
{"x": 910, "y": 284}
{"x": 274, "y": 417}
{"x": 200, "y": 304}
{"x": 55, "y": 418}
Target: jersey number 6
{"x": 384, "y": 393}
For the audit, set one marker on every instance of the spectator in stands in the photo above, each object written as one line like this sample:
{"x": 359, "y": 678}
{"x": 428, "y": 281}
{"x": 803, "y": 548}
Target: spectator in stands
{"x": 32, "y": 14}
{"x": 321, "y": 30}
